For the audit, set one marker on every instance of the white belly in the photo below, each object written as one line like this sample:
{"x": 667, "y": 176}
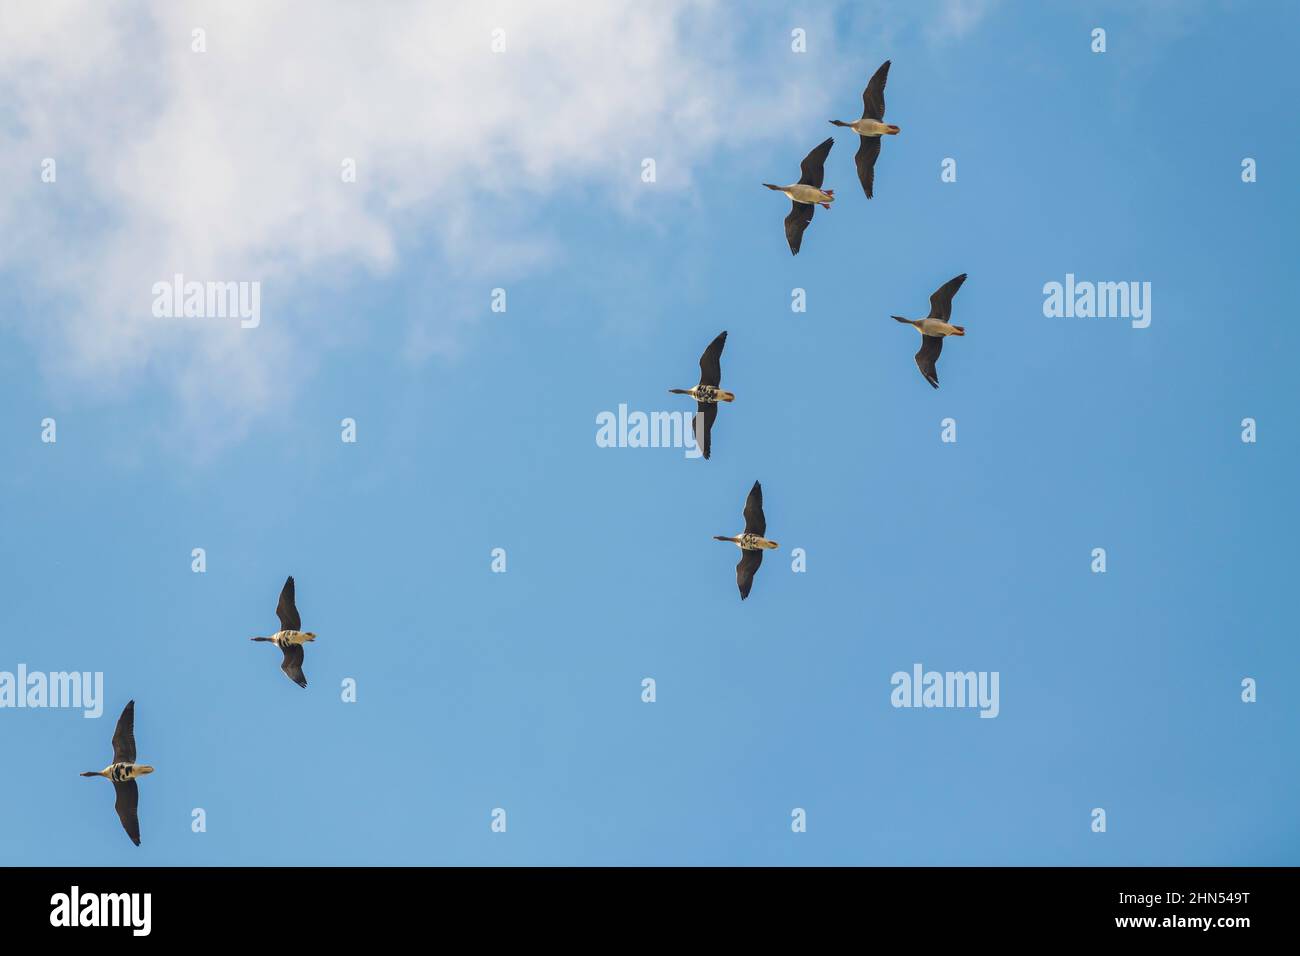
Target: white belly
{"x": 869, "y": 127}
{"x": 290, "y": 637}
{"x": 801, "y": 192}
{"x": 936, "y": 327}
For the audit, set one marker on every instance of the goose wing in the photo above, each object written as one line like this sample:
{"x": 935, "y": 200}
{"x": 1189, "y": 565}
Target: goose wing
{"x": 865, "y": 157}
{"x": 702, "y": 425}
{"x": 813, "y": 167}
{"x": 287, "y": 610}
{"x": 128, "y": 800}
{"x": 941, "y": 301}
{"x": 927, "y": 355}
{"x": 873, "y": 97}
{"x": 292, "y": 664}
{"x": 801, "y": 214}
{"x": 755, "y": 522}
{"x": 124, "y": 736}
{"x": 745, "y": 568}
{"x": 711, "y": 362}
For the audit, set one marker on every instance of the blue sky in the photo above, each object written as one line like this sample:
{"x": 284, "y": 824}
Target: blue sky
{"x": 476, "y": 430}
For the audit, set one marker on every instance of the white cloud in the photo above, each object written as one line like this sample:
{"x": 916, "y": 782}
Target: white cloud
{"x": 226, "y": 164}
{"x": 956, "y": 18}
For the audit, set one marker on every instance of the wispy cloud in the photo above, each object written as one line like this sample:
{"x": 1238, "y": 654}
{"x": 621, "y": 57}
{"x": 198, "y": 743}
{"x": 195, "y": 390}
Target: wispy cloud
{"x": 956, "y": 18}
{"x": 226, "y": 164}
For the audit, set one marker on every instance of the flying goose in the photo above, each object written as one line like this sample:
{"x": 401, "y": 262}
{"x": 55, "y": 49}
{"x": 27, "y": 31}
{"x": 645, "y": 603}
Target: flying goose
{"x": 290, "y": 638}
{"x": 751, "y": 543}
{"x": 806, "y": 193}
{"x": 935, "y": 328}
{"x": 870, "y": 127}
{"x": 707, "y": 394}
{"x": 124, "y": 771}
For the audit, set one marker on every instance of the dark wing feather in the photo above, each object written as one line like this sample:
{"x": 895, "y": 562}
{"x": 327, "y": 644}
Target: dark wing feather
{"x": 124, "y": 736}
{"x": 801, "y": 214}
{"x": 931, "y": 346}
{"x": 292, "y": 664}
{"x": 286, "y": 610}
{"x": 873, "y": 97}
{"x": 128, "y": 800}
{"x": 711, "y": 362}
{"x": 866, "y": 160}
{"x": 941, "y": 301}
{"x": 755, "y": 523}
{"x": 702, "y": 424}
{"x": 813, "y": 167}
{"x": 745, "y": 568}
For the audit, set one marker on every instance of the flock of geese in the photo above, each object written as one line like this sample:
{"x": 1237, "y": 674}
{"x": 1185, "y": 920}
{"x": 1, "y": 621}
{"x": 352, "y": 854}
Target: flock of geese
{"x": 807, "y": 194}
{"x": 123, "y": 771}
{"x": 804, "y": 196}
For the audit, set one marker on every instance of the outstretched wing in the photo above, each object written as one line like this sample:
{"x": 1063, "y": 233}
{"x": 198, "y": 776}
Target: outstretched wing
{"x": 941, "y": 301}
{"x": 287, "y": 610}
{"x": 292, "y": 664}
{"x": 124, "y": 736}
{"x": 755, "y": 522}
{"x": 745, "y": 568}
{"x": 128, "y": 800}
{"x": 866, "y": 160}
{"x": 801, "y": 214}
{"x": 711, "y": 362}
{"x": 931, "y": 346}
{"x": 873, "y": 97}
{"x": 813, "y": 167}
{"x": 702, "y": 424}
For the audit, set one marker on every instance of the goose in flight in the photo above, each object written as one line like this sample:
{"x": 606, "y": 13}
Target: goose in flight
{"x": 751, "y": 543}
{"x": 805, "y": 194}
{"x": 124, "y": 772}
{"x": 290, "y": 638}
{"x": 707, "y": 394}
{"x": 871, "y": 127}
{"x": 935, "y": 328}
